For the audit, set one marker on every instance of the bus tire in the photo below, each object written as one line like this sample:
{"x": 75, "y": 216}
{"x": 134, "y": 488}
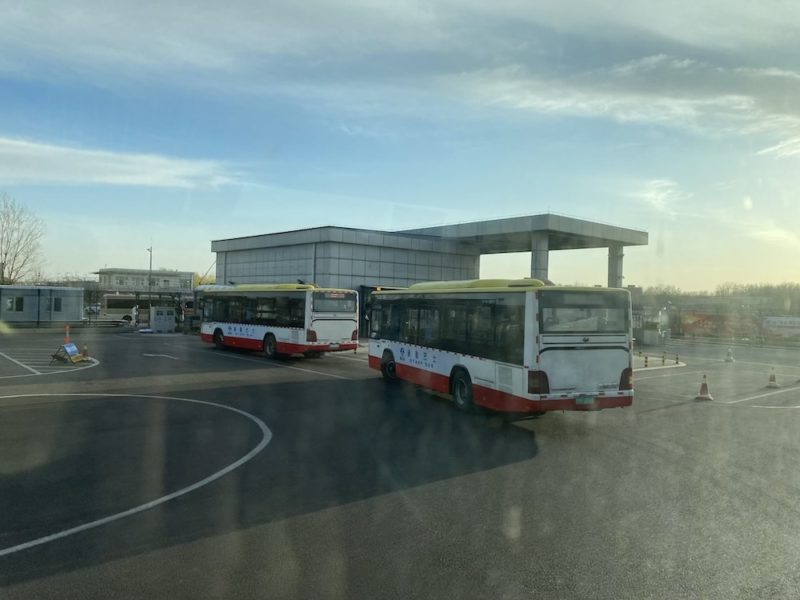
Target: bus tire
{"x": 461, "y": 389}
{"x": 271, "y": 347}
{"x": 389, "y": 367}
{"x": 219, "y": 339}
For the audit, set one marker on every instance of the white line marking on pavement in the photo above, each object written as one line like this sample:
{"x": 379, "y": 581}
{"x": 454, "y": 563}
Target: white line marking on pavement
{"x": 765, "y": 395}
{"x": 638, "y": 378}
{"x": 279, "y": 366}
{"x": 162, "y": 356}
{"x": 23, "y": 365}
{"x": 265, "y": 439}
{"x": 360, "y": 360}
{"x": 56, "y": 370}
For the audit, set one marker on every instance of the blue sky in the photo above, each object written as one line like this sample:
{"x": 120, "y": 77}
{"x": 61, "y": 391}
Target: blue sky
{"x": 128, "y": 125}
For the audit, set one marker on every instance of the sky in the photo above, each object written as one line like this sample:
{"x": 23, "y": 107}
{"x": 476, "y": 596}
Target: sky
{"x": 127, "y": 124}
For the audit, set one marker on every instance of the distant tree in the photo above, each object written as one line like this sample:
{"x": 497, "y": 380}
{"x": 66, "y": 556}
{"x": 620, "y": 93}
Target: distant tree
{"x": 203, "y": 279}
{"x": 21, "y": 233}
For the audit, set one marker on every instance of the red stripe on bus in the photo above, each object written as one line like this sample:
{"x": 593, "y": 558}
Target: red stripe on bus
{"x": 428, "y": 379}
{"x": 282, "y": 347}
{"x": 374, "y": 362}
{"x": 290, "y": 348}
{"x": 505, "y": 402}
{"x": 498, "y": 400}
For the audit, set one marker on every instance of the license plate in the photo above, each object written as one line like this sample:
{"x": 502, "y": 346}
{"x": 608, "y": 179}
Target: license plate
{"x": 334, "y": 346}
{"x": 584, "y": 399}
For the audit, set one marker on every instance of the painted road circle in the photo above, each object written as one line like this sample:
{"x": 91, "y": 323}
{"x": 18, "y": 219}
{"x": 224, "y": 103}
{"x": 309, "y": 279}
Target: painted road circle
{"x": 265, "y": 439}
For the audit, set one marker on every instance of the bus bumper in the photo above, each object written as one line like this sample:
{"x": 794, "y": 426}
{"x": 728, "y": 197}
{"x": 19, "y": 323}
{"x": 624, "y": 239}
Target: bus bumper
{"x": 504, "y": 402}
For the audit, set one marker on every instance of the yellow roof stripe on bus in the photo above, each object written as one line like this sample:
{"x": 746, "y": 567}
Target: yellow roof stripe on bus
{"x": 266, "y": 287}
{"x": 487, "y": 285}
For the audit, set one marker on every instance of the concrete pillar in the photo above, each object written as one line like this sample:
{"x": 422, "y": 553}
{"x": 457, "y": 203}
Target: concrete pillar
{"x": 615, "y": 255}
{"x": 540, "y": 254}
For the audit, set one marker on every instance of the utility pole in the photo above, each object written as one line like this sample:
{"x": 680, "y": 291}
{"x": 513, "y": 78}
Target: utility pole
{"x": 150, "y": 273}
{"x": 150, "y": 284}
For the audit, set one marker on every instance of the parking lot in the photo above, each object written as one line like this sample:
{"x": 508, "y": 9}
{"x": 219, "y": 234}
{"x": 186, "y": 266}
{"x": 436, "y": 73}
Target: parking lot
{"x": 172, "y": 469}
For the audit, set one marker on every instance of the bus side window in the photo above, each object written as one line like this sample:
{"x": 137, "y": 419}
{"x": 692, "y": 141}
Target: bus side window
{"x": 429, "y": 327}
{"x": 265, "y": 311}
{"x": 282, "y": 311}
{"x": 408, "y": 333}
{"x": 479, "y": 338}
{"x": 297, "y": 312}
{"x": 375, "y": 322}
{"x": 391, "y": 320}
{"x": 453, "y": 327}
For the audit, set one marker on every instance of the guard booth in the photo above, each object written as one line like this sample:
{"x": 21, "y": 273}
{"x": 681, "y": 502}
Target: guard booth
{"x": 162, "y": 319}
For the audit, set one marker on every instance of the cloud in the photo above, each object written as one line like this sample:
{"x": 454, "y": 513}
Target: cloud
{"x": 30, "y": 162}
{"x": 776, "y": 235}
{"x": 783, "y": 149}
{"x": 714, "y": 68}
{"x": 664, "y": 196}
{"x": 662, "y": 90}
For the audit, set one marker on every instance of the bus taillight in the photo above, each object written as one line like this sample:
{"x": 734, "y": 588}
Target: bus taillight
{"x": 626, "y": 380}
{"x": 538, "y": 382}
{"x": 354, "y": 335}
{"x": 311, "y": 335}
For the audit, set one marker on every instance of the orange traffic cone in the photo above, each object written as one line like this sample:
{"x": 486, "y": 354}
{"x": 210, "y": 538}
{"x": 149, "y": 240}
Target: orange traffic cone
{"x": 773, "y": 382}
{"x": 704, "y": 394}
{"x": 66, "y": 333}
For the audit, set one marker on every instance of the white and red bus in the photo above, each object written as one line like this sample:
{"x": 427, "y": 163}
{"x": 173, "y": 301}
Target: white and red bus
{"x": 279, "y": 319}
{"x": 508, "y": 345}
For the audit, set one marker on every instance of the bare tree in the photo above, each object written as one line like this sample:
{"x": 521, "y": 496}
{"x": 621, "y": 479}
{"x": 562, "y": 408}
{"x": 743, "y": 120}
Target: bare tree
{"x": 21, "y": 232}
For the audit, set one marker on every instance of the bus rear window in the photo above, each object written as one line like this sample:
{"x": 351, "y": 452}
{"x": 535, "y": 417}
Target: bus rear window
{"x": 583, "y": 312}
{"x": 334, "y": 302}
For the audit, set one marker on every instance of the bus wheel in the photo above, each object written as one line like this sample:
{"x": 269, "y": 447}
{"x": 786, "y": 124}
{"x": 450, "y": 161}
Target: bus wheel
{"x": 270, "y": 347}
{"x": 389, "y": 367}
{"x": 219, "y": 339}
{"x": 461, "y": 388}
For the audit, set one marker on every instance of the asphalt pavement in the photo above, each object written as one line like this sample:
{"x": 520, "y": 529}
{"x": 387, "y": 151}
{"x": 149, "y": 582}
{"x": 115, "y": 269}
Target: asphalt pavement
{"x": 174, "y": 470}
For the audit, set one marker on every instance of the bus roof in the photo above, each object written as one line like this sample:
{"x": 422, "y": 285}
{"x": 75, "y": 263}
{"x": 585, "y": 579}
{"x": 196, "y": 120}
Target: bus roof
{"x": 265, "y": 287}
{"x": 487, "y": 285}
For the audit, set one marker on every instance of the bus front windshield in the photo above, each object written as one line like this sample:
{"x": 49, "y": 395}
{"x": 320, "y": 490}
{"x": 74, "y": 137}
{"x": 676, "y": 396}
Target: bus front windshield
{"x": 584, "y": 312}
{"x": 334, "y": 302}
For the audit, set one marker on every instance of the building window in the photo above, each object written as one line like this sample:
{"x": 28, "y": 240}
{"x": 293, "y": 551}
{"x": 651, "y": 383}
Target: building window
{"x": 56, "y": 304}
{"x": 166, "y": 283}
{"x": 120, "y": 281}
{"x": 16, "y": 304}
